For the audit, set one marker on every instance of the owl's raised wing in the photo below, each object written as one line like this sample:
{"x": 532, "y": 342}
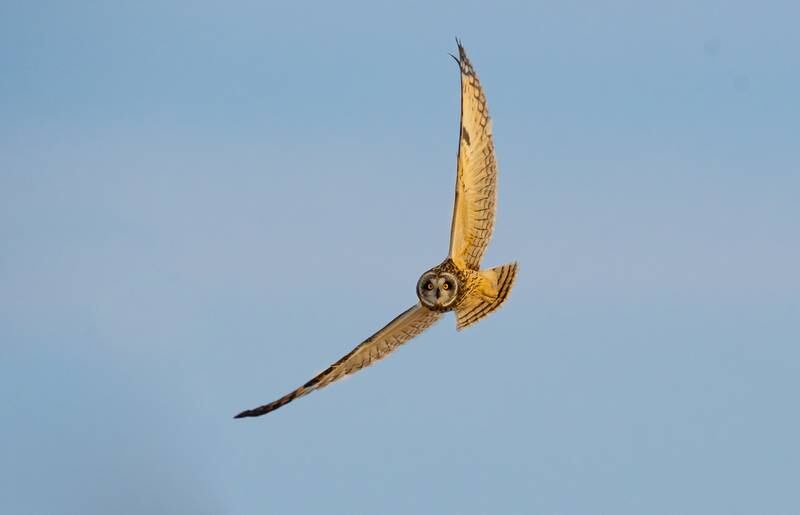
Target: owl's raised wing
{"x": 473, "y": 213}
{"x": 397, "y": 332}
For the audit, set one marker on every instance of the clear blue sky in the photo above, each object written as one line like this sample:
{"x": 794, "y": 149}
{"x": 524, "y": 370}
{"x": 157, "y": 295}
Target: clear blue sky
{"x": 202, "y": 204}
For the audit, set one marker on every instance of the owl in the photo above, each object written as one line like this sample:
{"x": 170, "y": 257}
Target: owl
{"x": 458, "y": 283}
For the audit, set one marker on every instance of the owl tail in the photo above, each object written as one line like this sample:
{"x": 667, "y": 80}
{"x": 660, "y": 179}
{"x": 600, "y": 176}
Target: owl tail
{"x": 493, "y": 289}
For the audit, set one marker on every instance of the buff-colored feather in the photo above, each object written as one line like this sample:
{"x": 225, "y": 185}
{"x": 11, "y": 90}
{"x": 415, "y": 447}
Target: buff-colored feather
{"x": 397, "y": 332}
{"x": 476, "y": 193}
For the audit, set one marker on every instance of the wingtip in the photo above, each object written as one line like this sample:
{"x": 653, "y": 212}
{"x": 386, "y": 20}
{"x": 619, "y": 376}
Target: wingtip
{"x": 251, "y": 413}
{"x": 461, "y": 50}
{"x": 456, "y": 59}
{"x": 462, "y": 59}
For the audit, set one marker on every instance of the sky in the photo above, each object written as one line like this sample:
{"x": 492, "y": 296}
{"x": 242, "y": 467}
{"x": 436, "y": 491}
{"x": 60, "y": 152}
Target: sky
{"x": 203, "y": 204}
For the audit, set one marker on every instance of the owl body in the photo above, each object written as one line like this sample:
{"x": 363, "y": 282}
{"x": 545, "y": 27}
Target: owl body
{"x": 472, "y": 294}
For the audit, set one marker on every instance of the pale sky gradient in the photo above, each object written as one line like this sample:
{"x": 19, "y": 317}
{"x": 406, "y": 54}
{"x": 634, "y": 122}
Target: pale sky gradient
{"x": 202, "y": 204}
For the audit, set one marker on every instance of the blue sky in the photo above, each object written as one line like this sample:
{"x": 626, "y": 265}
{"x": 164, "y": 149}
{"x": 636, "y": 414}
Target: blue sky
{"x": 203, "y": 204}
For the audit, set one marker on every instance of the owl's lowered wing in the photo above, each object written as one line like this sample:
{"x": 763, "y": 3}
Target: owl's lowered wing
{"x": 397, "y": 332}
{"x": 473, "y": 213}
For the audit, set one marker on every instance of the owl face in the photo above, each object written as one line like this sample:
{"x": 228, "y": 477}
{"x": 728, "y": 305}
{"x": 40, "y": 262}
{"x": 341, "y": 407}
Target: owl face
{"x": 437, "y": 290}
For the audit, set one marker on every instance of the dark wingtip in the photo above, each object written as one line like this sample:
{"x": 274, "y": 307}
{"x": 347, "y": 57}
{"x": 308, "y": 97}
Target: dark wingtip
{"x": 456, "y": 59}
{"x": 272, "y": 406}
{"x": 462, "y": 59}
{"x": 256, "y": 412}
{"x": 461, "y": 51}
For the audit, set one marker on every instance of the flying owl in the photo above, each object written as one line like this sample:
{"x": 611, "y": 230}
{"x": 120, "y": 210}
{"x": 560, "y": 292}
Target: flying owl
{"x": 457, "y": 284}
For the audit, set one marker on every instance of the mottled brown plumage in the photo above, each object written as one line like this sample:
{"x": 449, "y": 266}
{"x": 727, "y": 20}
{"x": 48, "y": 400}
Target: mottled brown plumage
{"x": 456, "y": 284}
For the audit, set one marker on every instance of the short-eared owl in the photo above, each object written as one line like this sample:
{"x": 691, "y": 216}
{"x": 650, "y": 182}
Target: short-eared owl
{"x": 457, "y": 284}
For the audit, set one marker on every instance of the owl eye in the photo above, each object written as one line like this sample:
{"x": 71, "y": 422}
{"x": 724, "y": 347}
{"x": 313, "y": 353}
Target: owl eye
{"x": 445, "y": 286}
{"x": 429, "y": 286}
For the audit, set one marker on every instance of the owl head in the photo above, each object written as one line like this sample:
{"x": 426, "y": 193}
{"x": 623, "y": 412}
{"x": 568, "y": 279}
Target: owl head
{"x": 437, "y": 290}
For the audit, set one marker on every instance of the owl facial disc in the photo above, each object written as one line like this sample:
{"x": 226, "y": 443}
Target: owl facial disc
{"x": 437, "y": 290}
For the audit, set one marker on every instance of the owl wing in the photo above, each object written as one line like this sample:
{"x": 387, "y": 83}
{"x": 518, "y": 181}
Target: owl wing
{"x": 473, "y": 213}
{"x": 397, "y": 332}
